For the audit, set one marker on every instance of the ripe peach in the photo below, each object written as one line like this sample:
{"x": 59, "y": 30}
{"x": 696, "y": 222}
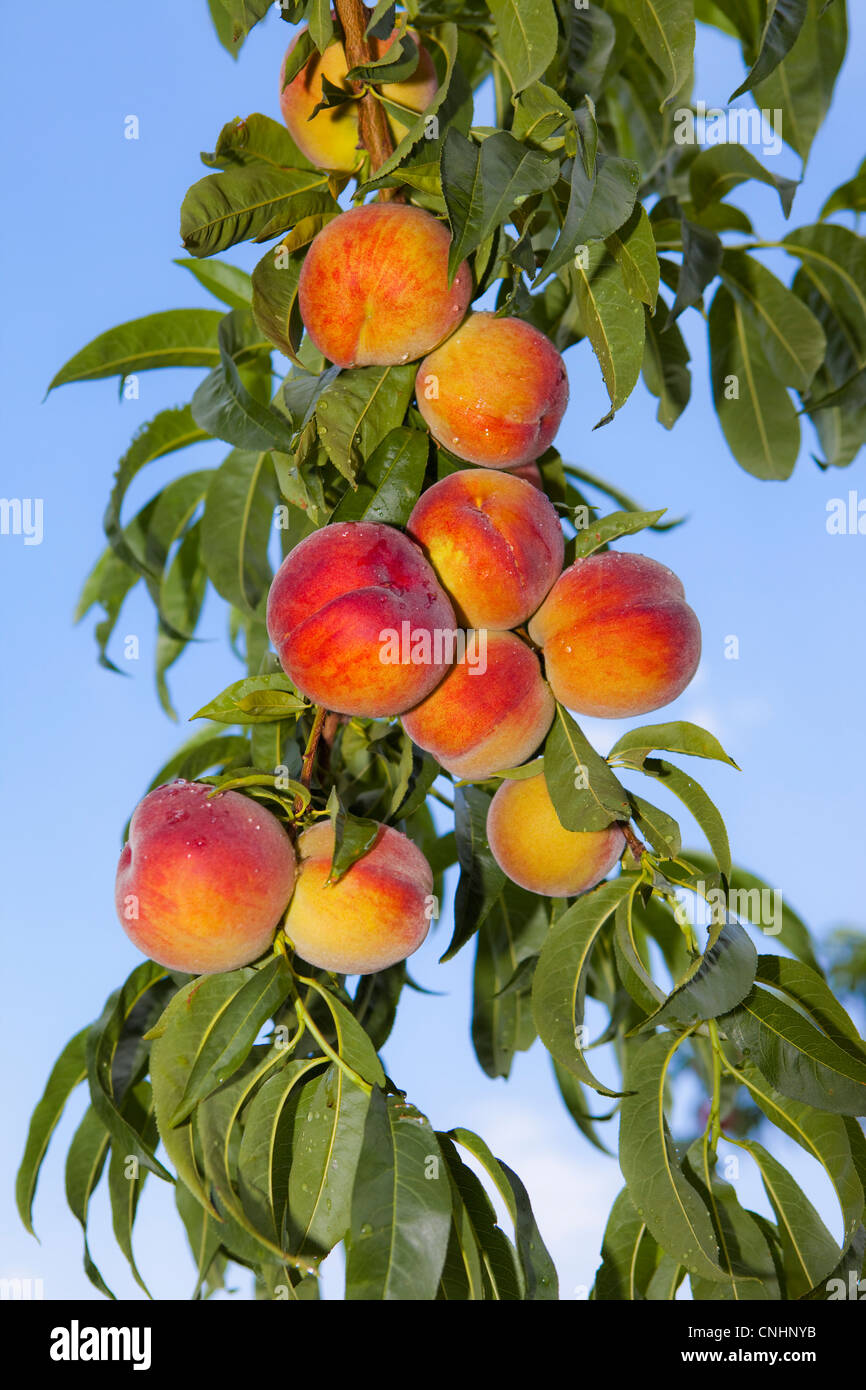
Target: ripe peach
{"x": 330, "y": 139}
{"x": 494, "y": 541}
{"x": 535, "y": 850}
{"x": 489, "y": 713}
{"x": 373, "y": 288}
{"x": 359, "y": 621}
{"x": 203, "y": 881}
{"x": 494, "y": 393}
{"x": 618, "y": 637}
{"x": 378, "y": 913}
{"x": 529, "y": 472}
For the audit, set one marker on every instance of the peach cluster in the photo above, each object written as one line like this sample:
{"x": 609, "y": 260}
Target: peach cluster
{"x": 205, "y": 879}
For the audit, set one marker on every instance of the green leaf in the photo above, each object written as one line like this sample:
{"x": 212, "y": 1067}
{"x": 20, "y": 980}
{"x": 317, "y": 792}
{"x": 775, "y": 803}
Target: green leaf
{"x": 795, "y": 1057}
{"x": 452, "y": 90}
{"x": 809, "y": 1251}
{"x": 809, "y": 992}
{"x": 179, "y": 1036}
{"x": 718, "y": 981}
{"x": 678, "y": 736}
{"x": 225, "y": 282}
{"x": 585, "y": 793}
{"x": 353, "y": 837}
{"x": 105, "y": 1044}
{"x": 575, "y": 1100}
{"x": 483, "y": 184}
{"x": 166, "y": 432}
{"x": 666, "y": 28}
{"x": 605, "y": 529}
{"x": 84, "y": 1164}
{"x": 203, "y": 1233}
{"x": 849, "y": 196}
{"x": 510, "y": 935}
{"x": 693, "y": 796}
{"x": 629, "y": 1255}
{"x": 527, "y": 35}
{"x": 250, "y": 202}
{"x": 592, "y": 35}
{"x": 258, "y": 139}
{"x": 539, "y": 1274}
{"x": 676, "y": 1216}
{"x": 356, "y": 411}
{"x": 756, "y": 413}
{"x": 633, "y": 248}
{"x": 481, "y": 879}
{"x": 782, "y": 25}
{"x": 612, "y": 319}
{"x": 320, "y": 22}
{"x": 396, "y": 65}
{"x": 749, "y": 898}
{"x": 390, "y": 482}
{"x": 702, "y": 257}
{"x": 254, "y": 700}
{"x": 559, "y": 986}
{"x": 173, "y": 338}
{"x": 243, "y": 15}
{"x": 68, "y": 1071}
{"x": 232, "y": 1033}
{"x": 802, "y": 84}
{"x": 496, "y": 1268}
{"x": 743, "y": 1244}
{"x": 401, "y": 1207}
{"x": 597, "y": 208}
{"x": 825, "y": 1137}
{"x": 180, "y": 598}
{"x": 328, "y": 1134}
{"x": 791, "y": 336}
{"x": 666, "y": 369}
{"x": 661, "y": 830}
{"x": 718, "y": 170}
{"x": 125, "y": 1181}
{"x": 831, "y": 283}
{"x": 224, "y": 407}
{"x": 266, "y": 1150}
{"x": 275, "y": 297}
{"x": 239, "y": 514}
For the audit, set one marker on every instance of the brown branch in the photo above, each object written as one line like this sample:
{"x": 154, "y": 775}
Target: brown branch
{"x": 636, "y": 846}
{"x": 373, "y": 128}
{"x": 309, "y": 757}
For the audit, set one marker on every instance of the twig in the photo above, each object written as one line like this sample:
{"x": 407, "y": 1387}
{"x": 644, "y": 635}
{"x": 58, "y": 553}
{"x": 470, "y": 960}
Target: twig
{"x": 373, "y": 128}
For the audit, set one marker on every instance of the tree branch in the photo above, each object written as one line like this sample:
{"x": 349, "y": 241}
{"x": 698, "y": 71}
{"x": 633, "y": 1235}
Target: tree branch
{"x": 373, "y": 128}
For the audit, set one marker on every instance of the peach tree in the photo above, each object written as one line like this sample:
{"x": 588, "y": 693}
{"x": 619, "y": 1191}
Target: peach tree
{"x": 390, "y": 381}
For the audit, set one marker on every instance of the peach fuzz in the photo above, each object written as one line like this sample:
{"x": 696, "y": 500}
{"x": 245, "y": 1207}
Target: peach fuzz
{"x": 485, "y": 717}
{"x": 495, "y": 542}
{"x": 373, "y": 288}
{"x": 494, "y": 393}
{"x": 535, "y": 850}
{"x": 331, "y": 601}
{"x": 203, "y": 880}
{"x": 330, "y": 139}
{"x": 618, "y": 637}
{"x": 376, "y": 914}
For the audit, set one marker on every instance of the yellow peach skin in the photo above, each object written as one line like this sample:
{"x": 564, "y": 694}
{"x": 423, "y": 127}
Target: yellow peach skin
{"x": 203, "y": 881}
{"x": 373, "y": 288}
{"x": 494, "y": 393}
{"x": 330, "y": 139}
{"x": 480, "y": 721}
{"x": 495, "y": 542}
{"x": 535, "y": 850}
{"x": 376, "y": 914}
{"x": 617, "y": 635}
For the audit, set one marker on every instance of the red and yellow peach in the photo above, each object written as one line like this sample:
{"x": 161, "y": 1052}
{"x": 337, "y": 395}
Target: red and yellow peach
{"x": 534, "y": 849}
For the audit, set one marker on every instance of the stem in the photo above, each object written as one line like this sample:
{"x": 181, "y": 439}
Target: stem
{"x": 438, "y": 796}
{"x": 373, "y": 128}
{"x": 305, "y": 1018}
{"x": 637, "y": 846}
{"x": 310, "y": 755}
{"x": 715, "y": 1118}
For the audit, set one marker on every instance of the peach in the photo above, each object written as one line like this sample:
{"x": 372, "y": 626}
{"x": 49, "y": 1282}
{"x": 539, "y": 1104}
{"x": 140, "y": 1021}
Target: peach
{"x": 373, "y": 288}
{"x": 490, "y": 712}
{"x": 530, "y": 472}
{"x": 618, "y": 637}
{"x": 535, "y": 850}
{"x": 203, "y": 880}
{"x": 376, "y": 914}
{"x": 494, "y": 541}
{"x": 359, "y": 621}
{"x": 330, "y": 139}
{"x": 494, "y": 393}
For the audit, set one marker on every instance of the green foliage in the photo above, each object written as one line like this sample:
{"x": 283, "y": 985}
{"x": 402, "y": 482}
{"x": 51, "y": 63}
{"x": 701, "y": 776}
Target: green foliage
{"x": 283, "y": 1133}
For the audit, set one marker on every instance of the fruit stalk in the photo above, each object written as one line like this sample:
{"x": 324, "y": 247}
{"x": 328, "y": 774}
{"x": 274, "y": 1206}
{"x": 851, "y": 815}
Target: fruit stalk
{"x": 373, "y": 129}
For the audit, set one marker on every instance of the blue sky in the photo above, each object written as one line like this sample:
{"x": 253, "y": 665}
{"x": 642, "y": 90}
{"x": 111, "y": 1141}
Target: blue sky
{"x": 89, "y": 240}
